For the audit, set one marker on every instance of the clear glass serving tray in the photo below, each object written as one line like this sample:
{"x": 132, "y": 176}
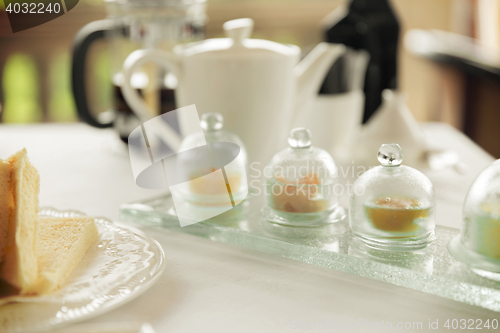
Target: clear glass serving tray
{"x": 432, "y": 270}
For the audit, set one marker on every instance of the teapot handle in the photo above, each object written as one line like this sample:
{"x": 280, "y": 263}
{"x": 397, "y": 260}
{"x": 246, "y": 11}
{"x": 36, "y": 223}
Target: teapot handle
{"x": 140, "y": 108}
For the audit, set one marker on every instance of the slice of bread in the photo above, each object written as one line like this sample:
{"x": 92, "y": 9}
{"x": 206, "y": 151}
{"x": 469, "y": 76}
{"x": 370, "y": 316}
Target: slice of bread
{"x": 61, "y": 245}
{"x": 19, "y": 267}
{"x": 5, "y": 204}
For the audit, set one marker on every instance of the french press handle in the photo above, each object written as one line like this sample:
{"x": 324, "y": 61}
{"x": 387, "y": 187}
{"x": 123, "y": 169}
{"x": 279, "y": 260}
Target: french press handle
{"x": 83, "y": 40}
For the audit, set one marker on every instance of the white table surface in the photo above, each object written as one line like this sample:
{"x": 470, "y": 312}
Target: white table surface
{"x": 214, "y": 287}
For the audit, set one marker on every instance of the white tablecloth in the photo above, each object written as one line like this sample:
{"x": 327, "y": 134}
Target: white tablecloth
{"x": 214, "y": 287}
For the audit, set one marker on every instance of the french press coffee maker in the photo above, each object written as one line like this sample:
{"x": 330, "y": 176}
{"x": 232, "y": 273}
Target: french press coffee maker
{"x": 132, "y": 25}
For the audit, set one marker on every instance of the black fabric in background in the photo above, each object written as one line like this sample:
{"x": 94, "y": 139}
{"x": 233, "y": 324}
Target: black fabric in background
{"x": 369, "y": 25}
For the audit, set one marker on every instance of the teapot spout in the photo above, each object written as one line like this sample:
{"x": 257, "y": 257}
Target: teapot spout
{"x": 312, "y": 70}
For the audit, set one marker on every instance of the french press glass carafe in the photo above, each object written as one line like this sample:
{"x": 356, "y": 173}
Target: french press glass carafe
{"x": 132, "y": 25}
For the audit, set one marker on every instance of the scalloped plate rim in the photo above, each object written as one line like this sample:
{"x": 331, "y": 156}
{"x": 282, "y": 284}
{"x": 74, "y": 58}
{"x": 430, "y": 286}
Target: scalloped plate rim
{"x": 161, "y": 265}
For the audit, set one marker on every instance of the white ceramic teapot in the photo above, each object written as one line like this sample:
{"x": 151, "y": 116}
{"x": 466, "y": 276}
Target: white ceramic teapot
{"x": 258, "y": 86}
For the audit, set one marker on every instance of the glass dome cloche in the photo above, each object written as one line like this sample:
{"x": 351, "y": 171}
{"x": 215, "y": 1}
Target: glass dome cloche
{"x": 478, "y": 245}
{"x": 204, "y": 191}
{"x": 392, "y": 206}
{"x": 212, "y": 124}
{"x": 299, "y": 185}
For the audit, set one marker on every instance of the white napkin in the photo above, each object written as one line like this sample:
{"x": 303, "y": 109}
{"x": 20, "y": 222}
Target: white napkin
{"x": 393, "y": 122}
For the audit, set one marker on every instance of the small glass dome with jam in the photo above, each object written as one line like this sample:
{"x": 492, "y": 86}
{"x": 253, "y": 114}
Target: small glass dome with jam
{"x": 299, "y": 185}
{"x": 392, "y": 206}
{"x": 206, "y": 191}
{"x": 478, "y": 244}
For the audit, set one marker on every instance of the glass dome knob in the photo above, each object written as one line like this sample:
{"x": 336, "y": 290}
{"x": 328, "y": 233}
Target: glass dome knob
{"x": 300, "y": 138}
{"x": 390, "y": 154}
{"x": 212, "y": 121}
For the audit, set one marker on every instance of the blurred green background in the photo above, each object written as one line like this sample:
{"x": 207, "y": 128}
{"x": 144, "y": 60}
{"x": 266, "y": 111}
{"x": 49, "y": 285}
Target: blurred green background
{"x": 35, "y": 64}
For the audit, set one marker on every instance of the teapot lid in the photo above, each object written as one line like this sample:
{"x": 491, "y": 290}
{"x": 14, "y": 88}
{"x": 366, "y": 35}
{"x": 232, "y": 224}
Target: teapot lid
{"x": 238, "y": 32}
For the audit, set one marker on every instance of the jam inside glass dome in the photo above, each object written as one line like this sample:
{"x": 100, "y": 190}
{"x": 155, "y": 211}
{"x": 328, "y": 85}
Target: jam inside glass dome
{"x": 392, "y": 206}
{"x": 299, "y": 185}
{"x": 208, "y": 191}
{"x": 478, "y": 244}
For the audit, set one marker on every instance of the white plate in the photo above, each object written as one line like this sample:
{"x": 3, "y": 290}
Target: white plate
{"x": 121, "y": 265}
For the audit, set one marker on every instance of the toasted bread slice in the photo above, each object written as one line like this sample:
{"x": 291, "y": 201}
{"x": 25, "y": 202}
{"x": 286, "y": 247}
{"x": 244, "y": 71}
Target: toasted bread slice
{"x": 19, "y": 267}
{"x": 5, "y": 204}
{"x": 61, "y": 245}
